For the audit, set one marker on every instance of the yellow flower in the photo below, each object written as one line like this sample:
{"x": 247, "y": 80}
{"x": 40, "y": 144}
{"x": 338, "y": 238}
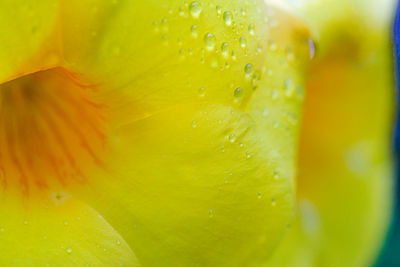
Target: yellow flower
{"x": 165, "y": 133}
{"x": 175, "y": 121}
{"x": 344, "y": 184}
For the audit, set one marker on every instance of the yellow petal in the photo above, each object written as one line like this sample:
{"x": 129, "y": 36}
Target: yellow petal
{"x": 209, "y": 184}
{"x": 29, "y": 38}
{"x": 58, "y": 231}
{"x": 146, "y": 56}
{"x": 345, "y": 170}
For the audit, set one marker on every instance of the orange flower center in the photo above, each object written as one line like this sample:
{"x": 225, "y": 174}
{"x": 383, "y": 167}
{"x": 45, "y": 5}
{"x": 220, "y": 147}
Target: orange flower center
{"x": 50, "y": 129}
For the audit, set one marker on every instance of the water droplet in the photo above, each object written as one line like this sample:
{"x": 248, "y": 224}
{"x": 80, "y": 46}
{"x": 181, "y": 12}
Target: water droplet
{"x": 276, "y": 174}
{"x": 251, "y": 29}
{"x": 182, "y": 53}
{"x": 194, "y": 124}
{"x": 289, "y": 54}
{"x": 232, "y": 138}
{"x": 274, "y": 94}
{"x": 69, "y": 250}
{"x": 211, "y": 214}
{"x": 300, "y": 91}
{"x": 195, "y": 9}
{"x": 225, "y": 49}
{"x": 118, "y": 242}
{"x": 194, "y": 30}
{"x": 209, "y": 40}
{"x": 238, "y": 92}
{"x": 289, "y": 87}
{"x": 243, "y": 11}
{"x": 164, "y": 39}
{"x": 259, "y": 48}
{"x": 234, "y": 55}
{"x": 242, "y": 42}
{"x": 259, "y": 195}
{"x": 248, "y": 69}
{"x": 227, "y": 17}
{"x": 155, "y": 26}
{"x": 265, "y": 112}
{"x": 273, "y": 202}
{"x": 202, "y": 91}
{"x": 25, "y": 222}
{"x": 222, "y": 148}
{"x": 164, "y": 25}
{"x": 248, "y": 155}
{"x": 219, "y": 10}
{"x": 182, "y": 11}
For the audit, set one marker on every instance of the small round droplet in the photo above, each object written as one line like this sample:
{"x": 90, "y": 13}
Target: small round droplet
{"x": 234, "y": 55}
{"x": 248, "y": 155}
{"x": 202, "y": 91}
{"x": 195, "y": 9}
{"x": 209, "y": 40}
{"x": 274, "y": 94}
{"x": 259, "y": 195}
{"x": 181, "y": 11}
{"x": 276, "y": 174}
{"x": 225, "y": 49}
{"x": 242, "y": 42}
{"x": 219, "y": 9}
{"x": 232, "y": 138}
{"x": 210, "y": 213}
{"x": 164, "y": 25}
{"x": 289, "y": 88}
{"x": 238, "y": 92}
{"x": 265, "y": 112}
{"x": 194, "y": 124}
{"x": 243, "y": 11}
{"x": 227, "y": 17}
{"x": 248, "y": 69}
{"x": 259, "y": 48}
{"x": 273, "y": 202}
{"x": 65, "y": 223}
{"x": 251, "y": 29}
{"x": 194, "y": 30}
{"x": 69, "y": 250}
{"x": 289, "y": 54}
{"x": 155, "y": 26}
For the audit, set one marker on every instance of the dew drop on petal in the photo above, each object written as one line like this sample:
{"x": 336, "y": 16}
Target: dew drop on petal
{"x": 242, "y": 42}
{"x": 195, "y": 9}
{"x": 251, "y": 29}
{"x": 227, "y": 17}
{"x": 194, "y": 30}
{"x": 238, "y": 92}
{"x": 209, "y": 40}
{"x": 202, "y": 91}
{"x": 225, "y": 49}
{"x": 248, "y": 69}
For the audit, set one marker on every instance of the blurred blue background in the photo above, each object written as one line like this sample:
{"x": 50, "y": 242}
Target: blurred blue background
{"x": 390, "y": 255}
